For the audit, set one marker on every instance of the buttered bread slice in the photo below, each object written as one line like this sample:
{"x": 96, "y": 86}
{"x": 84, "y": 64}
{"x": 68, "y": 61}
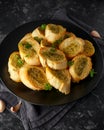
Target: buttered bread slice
{"x": 59, "y": 79}
{"x": 33, "y": 77}
{"x": 72, "y": 46}
{"x": 26, "y": 36}
{"x": 54, "y": 32}
{"x": 53, "y": 58}
{"x": 89, "y": 49}
{"x": 14, "y": 64}
{"x": 28, "y": 50}
{"x": 38, "y": 33}
{"x": 80, "y": 68}
{"x": 69, "y": 34}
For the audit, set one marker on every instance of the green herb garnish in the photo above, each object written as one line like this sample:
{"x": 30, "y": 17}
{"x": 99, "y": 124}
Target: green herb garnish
{"x": 20, "y": 62}
{"x": 42, "y": 27}
{"x": 27, "y": 45}
{"x": 92, "y": 73}
{"x": 56, "y": 43}
{"x": 70, "y": 63}
{"x": 48, "y": 86}
{"x": 27, "y": 55}
{"x": 38, "y": 39}
{"x": 52, "y": 49}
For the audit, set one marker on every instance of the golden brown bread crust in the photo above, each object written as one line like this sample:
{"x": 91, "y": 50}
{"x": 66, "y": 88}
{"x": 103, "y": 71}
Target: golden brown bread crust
{"x": 14, "y": 64}
{"x": 80, "y": 68}
{"x": 89, "y": 49}
{"x": 26, "y": 36}
{"x": 59, "y": 79}
{"x": 54, "y": 32}
{"x": 38, "y": 33}
{"x": 28, "y": 50}
{"x": 53, "y": 58}
{"x": 33, "y": 77}
{"x": 72, "y": 46}
{"x": 69, "y": 34}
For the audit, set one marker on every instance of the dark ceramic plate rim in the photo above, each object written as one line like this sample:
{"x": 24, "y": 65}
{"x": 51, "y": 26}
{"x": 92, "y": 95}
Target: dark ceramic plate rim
{"x": 52, "y": 97}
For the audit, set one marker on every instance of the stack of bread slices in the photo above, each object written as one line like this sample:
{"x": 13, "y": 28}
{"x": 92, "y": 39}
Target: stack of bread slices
{"x": 50, "y": 56}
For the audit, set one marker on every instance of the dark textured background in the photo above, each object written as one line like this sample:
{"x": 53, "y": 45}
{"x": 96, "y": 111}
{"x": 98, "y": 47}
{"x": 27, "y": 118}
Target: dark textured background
{"x": 88, "y": 114}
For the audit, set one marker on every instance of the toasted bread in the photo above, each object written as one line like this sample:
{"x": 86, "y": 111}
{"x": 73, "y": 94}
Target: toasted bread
{"x": 54, "y": 32}
{"x": 33, "y": 77}
{"x": 69, "y": 34}
{"x": 72, "y": 46}
{"x": 38, "y": 33}
{"x": 53, "y": 58}
{"x": 14, "y": 64}
{"x": 45, "y": 43}
{"x": 26, "y": 36}
{"x": 80, "y": 68}
{"x": 59, "y": 79}
{"x": 28, "y": 50}
{"x": 89, "y": 49}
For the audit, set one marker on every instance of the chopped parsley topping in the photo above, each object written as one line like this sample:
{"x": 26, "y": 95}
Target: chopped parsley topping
{"x": 42, "y": 27}
{"x": 27, "y": 45}
{"x": 38, "y": 39}
{"x": 70, "y": 63}
{"x": 52, "y": 49}
{"x": 20, "y": 62}
{"x": 27, "y": 55}
{"x": 56, "y": 43}
{"x": 92, "y": 73}
{"x": 48, "y": 86}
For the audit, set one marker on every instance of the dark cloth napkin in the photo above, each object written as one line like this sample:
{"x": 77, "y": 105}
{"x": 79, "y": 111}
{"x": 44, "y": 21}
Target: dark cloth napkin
{"x": 35, "y": 117}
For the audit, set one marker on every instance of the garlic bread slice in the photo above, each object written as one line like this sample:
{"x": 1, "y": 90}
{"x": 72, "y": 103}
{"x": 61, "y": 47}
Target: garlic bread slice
{"x": 80, "y": 68}
{"x": 59, "y": 79}
{"x": 14, "y": 64}
{"x": 69, "y": 34}
{"x": 38, "y": 33}
{"x": 54, "y": 32}
{"x": 89, "y": 49}
{"x": 53, "y": 58}
{"x": 72, "y": 46}
{"x": 33, "y": 77}
{"x": 28, "y": 50}
{"x": 26, "y": 36}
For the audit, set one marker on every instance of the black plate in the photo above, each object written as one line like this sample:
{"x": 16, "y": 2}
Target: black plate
{"x": 52, "y": 97}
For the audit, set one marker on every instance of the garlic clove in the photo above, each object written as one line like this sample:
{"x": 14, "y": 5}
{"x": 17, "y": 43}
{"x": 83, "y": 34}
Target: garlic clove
{"x": 16, "y": 107}
{"x": 95, "y": 34}
{"x": 2, "y": 106}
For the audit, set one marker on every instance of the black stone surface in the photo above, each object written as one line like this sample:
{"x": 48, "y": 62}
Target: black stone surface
{"x": 88, "y": 114}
